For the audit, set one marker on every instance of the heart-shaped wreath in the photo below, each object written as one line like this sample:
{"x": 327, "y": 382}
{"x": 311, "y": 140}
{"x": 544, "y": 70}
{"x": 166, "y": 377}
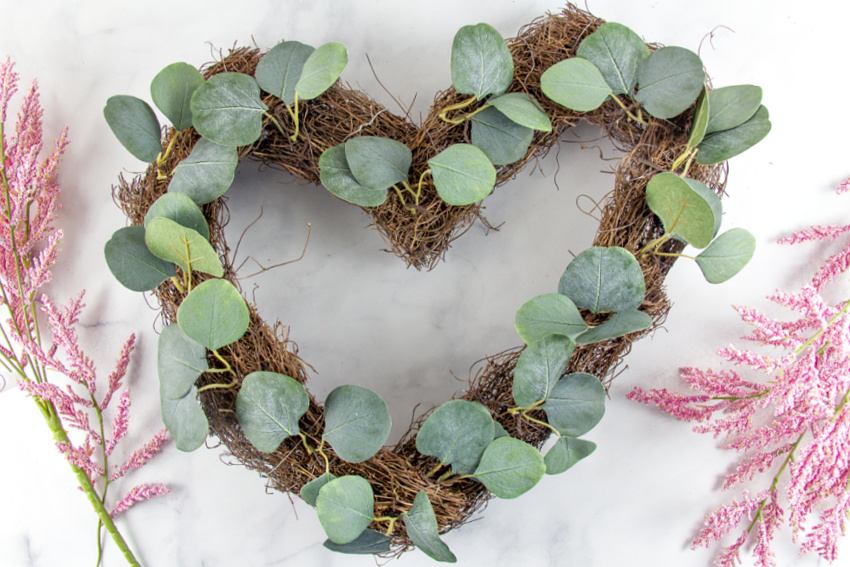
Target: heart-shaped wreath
{"x": 422, "y": 186}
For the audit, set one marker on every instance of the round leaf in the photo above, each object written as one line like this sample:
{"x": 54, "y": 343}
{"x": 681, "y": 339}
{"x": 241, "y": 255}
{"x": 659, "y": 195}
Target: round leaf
{"x": 732, "y": 106}
{"x": 522, "y": 109}
{"x": 268, "y": 408}
{"x": 549, "y": 314}
{"x": 214, "y": 314}
{"x": 378, "y": 163}
{"x": 321, "y": 70}
{"x": 501, "y": 139}
{"x": 616, "y": 51}
{"x": 566, "y": 452}
{"x": 421, "y": 524}
{"x": 310, "y": 491}
{"x": 683, "y": 211}
{"x": 171, "y": 91}
{"x": 280, "y": 68}
{"x": 206, "y": 173}
{"x": 180, "y": 362}
{"x": 669, "y": 81}
{"x": 367, "y": 543}
{"x": 727, "y": 255}
{"x": 183, "y": 246}
{"x": 456, "y": 433}
{"x": 700, "y": 122}
{"x": 481, "y": 61}
{"x": 604, "y": 279}
{"x": 185, "y": 420}
{"x": 345, "y": 507}
{"x": 462, "y": 174}
{"x": 576, "y": 405}
{"x": 622, "y": 323}
{"x": 510, "y": 467}
{"x": 227, "y": 109}
{"x": 132, "y": 264}
{"x": 575, "y": 83}
{"x": 357, "y": 423}
{"x": 182, "y": 210}
{"x": 337, "y": 178}
{"x": 721, "y": 146}
{"x": 712, "y": 198}
{"x": 539, "y": 367}
{"x": 135, "y": 125}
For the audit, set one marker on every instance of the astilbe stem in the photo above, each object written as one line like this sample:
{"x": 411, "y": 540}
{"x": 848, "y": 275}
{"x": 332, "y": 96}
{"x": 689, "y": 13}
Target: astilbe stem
{"x": 792, "y": 420}
{"x": 29, "y": 192}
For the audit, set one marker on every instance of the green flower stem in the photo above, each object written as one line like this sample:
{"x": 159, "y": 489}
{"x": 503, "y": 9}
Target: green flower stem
{"x": 294, "y": 115}
{"x": 639, "y": 119}
{"x": 444, "y": 114}
{"x": 389, "y": 519}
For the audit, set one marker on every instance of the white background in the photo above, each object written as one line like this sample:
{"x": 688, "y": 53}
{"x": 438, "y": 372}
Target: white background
{"x": 359, "y": 316}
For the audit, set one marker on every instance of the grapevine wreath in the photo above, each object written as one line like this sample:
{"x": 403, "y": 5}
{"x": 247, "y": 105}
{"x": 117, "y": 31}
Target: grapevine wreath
{"x": 224, "y": 370}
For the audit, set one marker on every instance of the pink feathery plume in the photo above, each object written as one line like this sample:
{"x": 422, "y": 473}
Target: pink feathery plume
{"x": 138, "y": 494}
{"x": 142, "y": 455}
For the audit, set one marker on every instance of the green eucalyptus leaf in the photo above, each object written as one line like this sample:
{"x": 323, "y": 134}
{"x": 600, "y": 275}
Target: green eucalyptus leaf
{"x": 684, "y": 211}
{"x": 132, "y": 264}
{"x": 721, "y": 146}
{"x": 712, "y": 198}
{"x": 732, "y": 106}
{"x": 462, "y": 174}
{"x": 669, "y": 81}
{"x": 539, "y": 367}
{"x": 510, "y": 467}
{"x": 576, "y": 404}
{"x": 566, "y": 452}
{"x": 622, "y": 323}
{"x": 268, "y": 407}
{"x": 367, "y": 543}
{"x": 481, "y": 62}
{"x": 134, "y": 123}
{"x": 180, "y": 362}
{"x": 604, "y": 279}
{"x": 421, "y": 524}
{"x": 336, "y": 176}
{"x": 523, "y": 109}
{"x": 321, "y": 70}
{"x": 499, "y": 430}
{"x": 575, "y": 83}
{"x": 214, "y": 314}
{"x": 182, "y": 210}
{"x": 378, "y": 163}
{"x": 227, "y": 109}
{"x": 501, "y": 139}
{"x": 616, "y": 51}
{"x": 345, "y": 507}
{"x": 206, "y": 173}
{"x": 726, "y": 255}
{"x": 552, "y": 313}
{"x": 176, "y": 243}
{"x": 700, "y": 122}
{"x": 357, "y": 423}
{"x": 185, "y": 420}
{"x": 280, "y": 68}
{"x": 456, "y": 433}
{"x": 171, "y": 91}
{"x": 310, "y": 491}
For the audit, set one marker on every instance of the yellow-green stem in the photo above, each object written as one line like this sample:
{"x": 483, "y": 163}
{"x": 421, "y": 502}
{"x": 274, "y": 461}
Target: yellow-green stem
{"x": 275, "y": 122}
{"x": 451, "y": 108}
{"x": 389, "y": 519}
{"x": 638, "y": 119}
{"x": 294, "y": 115}
{"x": 160, "y": 159}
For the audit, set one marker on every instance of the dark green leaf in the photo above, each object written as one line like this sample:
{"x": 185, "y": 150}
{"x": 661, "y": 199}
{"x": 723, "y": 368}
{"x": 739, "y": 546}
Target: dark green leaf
{"x": 345, "y": 507}
{"x": 721, "y": 146}
{"x": 456, "y": 433}
{"x": 619, "y": 324}
{"x": 566, "y": 452}
{"x": 377, "y": 163}
{"x": 206, "y": 173}
{"x": 576, "y": 404}
{"x": 481, "y": 61}
{"x": 310, "y": 491}
{"x": 700, "y": 122}
{"x": 132, "y": 264}
{"x": 522, "y": 109}
{"x": 185, "y": 420}
{"x": 180, "y": 362}
{"x": 172, "y": 90}
{"x": 227, "y": 109}
{"x": 214, "y": 314}
{"x": 321, "y": 70}
{"x": 575, "y": 83}
{"x": 669, "y": 81}
{"x": 552, "y": 313}
{"x": 604, "y": 279}
{"x": 683, "y": 211}
{"x": 616, "y": 51}
{"x": 135, "y": 125}
{"x": 280, "y": 68}
{"x": 421, "y": 524}
{"x": 539, "y": 367}
{"x": 337, "y": 178}
{"x": 182, "y": 245}
{"x": 367, "y": 543}
{"x": 501, "y": 139}
{"x": 732, "y": 106}
{"x": 727, "y": 255}
{"x": 182, "y": 210}
{"x": 510, "y": 467}
{"x": 268, "y": 407}
{"x": 462, "y": 174}
{"x": 357, "y": 423}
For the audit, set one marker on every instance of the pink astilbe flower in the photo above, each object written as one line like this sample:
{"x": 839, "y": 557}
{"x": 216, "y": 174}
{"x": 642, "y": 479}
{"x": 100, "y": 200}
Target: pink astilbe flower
{"x": 29, "y": 244}
{"x": 791, "y": 420}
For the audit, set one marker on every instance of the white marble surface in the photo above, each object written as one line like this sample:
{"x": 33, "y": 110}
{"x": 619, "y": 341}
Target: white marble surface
{"x": 639, "y": 500}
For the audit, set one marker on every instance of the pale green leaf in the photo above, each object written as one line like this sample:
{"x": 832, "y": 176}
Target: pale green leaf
{"x": 604, "y": 279}
{"x": 280, "y": 68}
{"x": 185, "y": 420}
{"x": 182, "y": 210}
{"x": 206, "y": 173}
{"x": 700, "y": 122}
{"x": 552, "y": 313}
{"x": 227, "y": 109}
{"x": 732, "y": 106}
{"x": 616, "y": 51}
{"x": 132, "y": 264}
{"x": 510, "y": 467}
{"x": 134, "y": 123}
{"x": 321, "y": 70}
{"x": 619, "y": 324}
{"x": 669, "y": 81}
{"x": 345, "y": 507}
{"x": 683, "y": 211}
{"x": 171, "y": 91}
{"x": 501, "y": 139}
{"x": 337, "y": 178}
{"x": 180, "y": 362}
{"x": 462, "y": 174}
{"x": 456, "y": 433}
{"x": 576, "y": 404}
{"x": 481, "y": 62}
{"x": 367, "y": 543}
{"x": 721, "y": 146}
{"x": 539, "y": 367}
{"x": 268, "y": 407}
{"x": 523, "y": 109}
{"x": 183, "y": 246}
{"x": 310, "y": 491}
{"x": 421, "y": 524}
{"x": 575, "y": 83}
{"x": 357, "y": 423}
{"x": 726, "y": 255}
{"x": 565, "y": 453}
{"x": 377, "y": 163}
{"x": 214, "y": 314}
